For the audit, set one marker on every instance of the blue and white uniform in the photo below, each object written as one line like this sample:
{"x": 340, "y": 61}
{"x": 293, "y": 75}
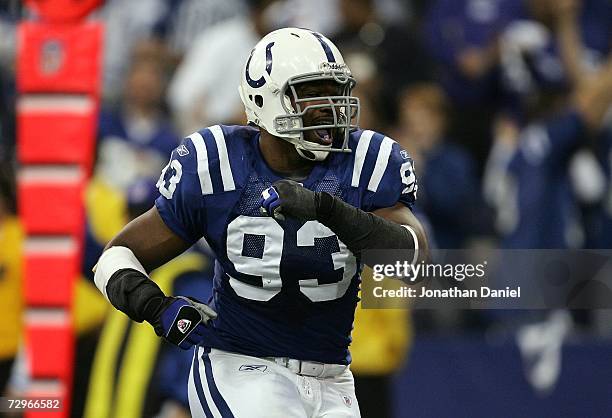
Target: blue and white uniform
{"x": 281, "y": 290}
{"x": 536, "y": 207}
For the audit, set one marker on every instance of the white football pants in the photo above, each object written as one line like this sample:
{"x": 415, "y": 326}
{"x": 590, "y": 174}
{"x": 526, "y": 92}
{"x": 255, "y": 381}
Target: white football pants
{"x": 231, "y": 385}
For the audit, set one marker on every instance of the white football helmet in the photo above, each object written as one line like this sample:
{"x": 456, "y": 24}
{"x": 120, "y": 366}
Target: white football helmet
{"x": 280, "y": 61}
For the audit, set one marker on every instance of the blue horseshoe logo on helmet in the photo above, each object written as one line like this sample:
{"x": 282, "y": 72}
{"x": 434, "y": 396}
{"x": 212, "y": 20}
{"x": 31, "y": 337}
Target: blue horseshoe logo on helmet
{"x": 261, "y": 80}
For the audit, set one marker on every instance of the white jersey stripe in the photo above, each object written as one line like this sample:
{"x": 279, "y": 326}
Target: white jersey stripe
{"x": 226, "y": 169}
{"x": 209, "y": 399}
{"x": 202, "y": 156}
{"x": 382, "y": 160}
{"x": 360, "y": 155}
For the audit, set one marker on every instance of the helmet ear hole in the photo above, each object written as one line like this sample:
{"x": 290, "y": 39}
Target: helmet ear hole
{"x": 259, "y": 100}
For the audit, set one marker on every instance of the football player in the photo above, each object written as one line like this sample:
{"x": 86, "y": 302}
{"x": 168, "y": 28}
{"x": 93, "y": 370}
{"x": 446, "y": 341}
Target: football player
{"x": 288, "y": 204}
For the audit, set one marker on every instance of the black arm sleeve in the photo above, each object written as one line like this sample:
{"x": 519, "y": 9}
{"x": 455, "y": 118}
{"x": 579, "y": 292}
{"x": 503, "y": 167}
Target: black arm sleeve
{"x": 358, "y": 229}
{"x": 136, "y": 295}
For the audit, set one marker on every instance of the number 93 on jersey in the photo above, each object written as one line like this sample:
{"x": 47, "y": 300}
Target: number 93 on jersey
{"x": 268, "y": 257}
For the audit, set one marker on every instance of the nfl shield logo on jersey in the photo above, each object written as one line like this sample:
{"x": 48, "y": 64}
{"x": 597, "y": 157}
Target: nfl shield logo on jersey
{"x": 183, "y": 325}
{"x": 348, "y": 401}
{"x": 182, "y": 150}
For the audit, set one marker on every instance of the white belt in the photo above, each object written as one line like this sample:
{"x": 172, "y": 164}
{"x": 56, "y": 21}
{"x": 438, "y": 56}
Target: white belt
{"x": 309, "y": 368}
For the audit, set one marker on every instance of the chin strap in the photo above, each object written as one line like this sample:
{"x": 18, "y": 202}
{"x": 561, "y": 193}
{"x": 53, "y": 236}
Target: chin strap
{"x": 311, "y": 155}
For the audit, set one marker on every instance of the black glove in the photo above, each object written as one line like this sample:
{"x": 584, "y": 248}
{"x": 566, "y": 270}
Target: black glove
{"x": 181, "y": 321}
{"x": 289, "y": 198}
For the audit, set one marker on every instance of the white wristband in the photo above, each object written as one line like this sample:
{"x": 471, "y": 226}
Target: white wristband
{"x": 416, "y": 243}
{"x": 111, "y": 261}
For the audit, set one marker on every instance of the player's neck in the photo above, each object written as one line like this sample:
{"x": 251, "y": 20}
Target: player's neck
{"x": 282, "y": 157}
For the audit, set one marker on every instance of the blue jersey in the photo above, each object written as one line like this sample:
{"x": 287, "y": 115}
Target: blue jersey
{"x": 450, "y": 177}
{"x": 285, "y": 289}
{"x": 541, "y": 210}
{"x": 160, "y": 140}
{"x": 451, "y": 27}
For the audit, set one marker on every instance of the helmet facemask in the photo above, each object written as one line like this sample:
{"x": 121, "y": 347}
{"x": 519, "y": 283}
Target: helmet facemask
{"x": 343, "y": 115}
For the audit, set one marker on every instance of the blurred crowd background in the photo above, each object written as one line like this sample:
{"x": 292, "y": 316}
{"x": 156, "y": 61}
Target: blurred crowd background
{"x": 504, "y": 105}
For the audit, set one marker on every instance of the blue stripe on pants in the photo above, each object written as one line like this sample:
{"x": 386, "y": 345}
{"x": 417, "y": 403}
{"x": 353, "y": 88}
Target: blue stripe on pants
{"x": 214, "y": 391}
{"x": 198, "y": 384}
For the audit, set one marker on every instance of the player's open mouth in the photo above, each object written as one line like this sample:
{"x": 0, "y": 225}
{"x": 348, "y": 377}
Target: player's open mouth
{"x": 324, "y": 135}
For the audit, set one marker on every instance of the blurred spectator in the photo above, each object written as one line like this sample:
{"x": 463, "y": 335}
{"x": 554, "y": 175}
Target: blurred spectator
{"x": 137, "y": 138}
{"x": 184, "y": 20}
{"x": 527, "y": 177}
{"x": 11, "y": 245}
{"x": 528, "y": 180}
{"x": 582, "y": 33}
{"x": 448, "y": 187}
{"x": 462, "y": 36}
{"x": 553, "y": 47}
{"x": 126, "y": 24}
{"x": 199, "y": 93}
{"x": 383, "y": 57}
{"x": 541, "y": 44}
